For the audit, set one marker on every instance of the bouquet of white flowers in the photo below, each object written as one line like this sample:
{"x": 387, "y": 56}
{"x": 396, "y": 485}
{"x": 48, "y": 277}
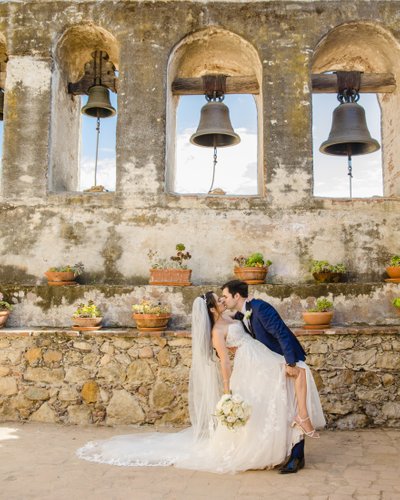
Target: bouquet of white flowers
{"x": 232, "y": 411}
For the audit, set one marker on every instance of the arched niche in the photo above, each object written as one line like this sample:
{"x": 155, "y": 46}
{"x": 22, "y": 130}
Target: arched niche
{"x": 3, "y": 60}
{"x": 370, "y": 48}
{"x": 3, "y": 74}
{"x": 210, "y": 51}
{"x": 72, "y": 50}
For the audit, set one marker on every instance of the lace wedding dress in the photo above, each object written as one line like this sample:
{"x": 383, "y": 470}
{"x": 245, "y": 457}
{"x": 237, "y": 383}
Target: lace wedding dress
{"x": 258, "y": 375}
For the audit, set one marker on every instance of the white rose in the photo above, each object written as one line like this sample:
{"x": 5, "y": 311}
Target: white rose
{"x": 227, "y": 408}
{"x": 240, "y": 412}
{"x": 236, "y": 398}
{"x": 231, "y": 419}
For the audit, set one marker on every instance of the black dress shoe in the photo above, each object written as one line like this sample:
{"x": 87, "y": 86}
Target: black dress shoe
{"x": 292, "y": 466}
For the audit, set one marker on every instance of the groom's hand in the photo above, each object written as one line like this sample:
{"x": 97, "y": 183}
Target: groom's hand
{"x": 292, "y": 371}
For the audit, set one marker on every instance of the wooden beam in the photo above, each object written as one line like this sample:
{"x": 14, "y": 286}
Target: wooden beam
{"x": 321, "y": 83}
{"x": 234, "y": 85}
{"x": 377, "y": 83}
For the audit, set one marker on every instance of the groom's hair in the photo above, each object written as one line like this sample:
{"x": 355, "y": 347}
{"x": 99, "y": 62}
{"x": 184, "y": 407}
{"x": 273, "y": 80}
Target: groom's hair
{"x": 237, "y": 286}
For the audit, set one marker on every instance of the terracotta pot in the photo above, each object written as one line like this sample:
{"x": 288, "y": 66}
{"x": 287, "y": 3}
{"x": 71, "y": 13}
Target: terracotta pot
{"x": 3, "y": 318}
{"x": 87, "y": 322}
{"x": 151, "y": 322}
{"x": 393, "y": 271}
{"x": 317, "y": 319}
{"x": 328, "y": 277}
{"x": 60, "y": 276}
{"x": 251, "y": 275}
{"x": 172, "y": 277}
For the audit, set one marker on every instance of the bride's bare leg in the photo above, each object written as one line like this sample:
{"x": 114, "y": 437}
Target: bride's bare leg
{"x": 300, "y": 386}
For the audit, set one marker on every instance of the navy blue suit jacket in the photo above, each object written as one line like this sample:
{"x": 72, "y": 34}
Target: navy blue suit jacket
{"x": 269, "y": 328}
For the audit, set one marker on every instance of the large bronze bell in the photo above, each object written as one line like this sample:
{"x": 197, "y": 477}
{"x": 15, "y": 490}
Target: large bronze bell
{"x": 349, "y": 134}
{"x": 215, "y": 129}
{"x": 98, "y": 104}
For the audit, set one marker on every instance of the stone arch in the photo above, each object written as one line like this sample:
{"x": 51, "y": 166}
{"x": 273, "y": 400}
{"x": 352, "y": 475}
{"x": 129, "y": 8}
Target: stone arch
{"x": 3, "y": 73}
{"x": 212, "y": 50}
{"x": 3, "y": 60}
{"x": 368, "y": 47}
{"x": 71, "y": 51}
{"x": 76, "y": 44}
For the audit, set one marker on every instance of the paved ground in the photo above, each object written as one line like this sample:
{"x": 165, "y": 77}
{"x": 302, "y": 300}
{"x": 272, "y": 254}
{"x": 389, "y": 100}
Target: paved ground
{"x": 37, "y": 461}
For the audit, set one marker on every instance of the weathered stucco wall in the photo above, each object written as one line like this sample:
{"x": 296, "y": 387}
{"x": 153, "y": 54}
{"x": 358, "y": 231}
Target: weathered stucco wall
{"x": 112, "y": 232}
{"x": 354, "y": 304}
{"x": 122, "y": 378}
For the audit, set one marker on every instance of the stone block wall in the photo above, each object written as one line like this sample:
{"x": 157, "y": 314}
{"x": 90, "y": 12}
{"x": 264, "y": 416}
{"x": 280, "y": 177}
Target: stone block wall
{"x": 120, "y": 377}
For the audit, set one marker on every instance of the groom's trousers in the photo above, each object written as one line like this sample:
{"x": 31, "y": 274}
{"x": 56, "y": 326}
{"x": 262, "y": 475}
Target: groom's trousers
{"x": 298, "y": 450}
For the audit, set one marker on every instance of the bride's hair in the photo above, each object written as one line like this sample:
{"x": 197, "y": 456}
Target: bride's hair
{"x": 211, "y": 303}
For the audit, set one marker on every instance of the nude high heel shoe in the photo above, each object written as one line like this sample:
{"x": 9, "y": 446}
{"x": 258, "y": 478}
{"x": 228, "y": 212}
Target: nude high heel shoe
{"x": 298, "y": 421}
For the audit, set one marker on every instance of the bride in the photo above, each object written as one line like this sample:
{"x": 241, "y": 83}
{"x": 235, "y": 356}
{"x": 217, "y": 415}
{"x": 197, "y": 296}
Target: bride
{"x": 258, "y": 375}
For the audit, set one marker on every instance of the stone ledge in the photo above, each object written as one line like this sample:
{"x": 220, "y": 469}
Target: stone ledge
{"x": 134, "y": 333}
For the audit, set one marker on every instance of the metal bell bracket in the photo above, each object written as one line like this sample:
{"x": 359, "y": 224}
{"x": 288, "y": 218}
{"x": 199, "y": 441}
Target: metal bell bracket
{"x": 99, "y": 69}
{"x": 214, "y": 87}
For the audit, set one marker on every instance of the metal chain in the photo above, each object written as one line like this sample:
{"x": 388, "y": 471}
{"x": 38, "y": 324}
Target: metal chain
{"x": 214, "y": 165}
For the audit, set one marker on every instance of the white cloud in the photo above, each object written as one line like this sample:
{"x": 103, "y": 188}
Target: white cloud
{"x": 331, "y": 176}
{"x": 105, "y": 173}
{"x": 236, "y": 170}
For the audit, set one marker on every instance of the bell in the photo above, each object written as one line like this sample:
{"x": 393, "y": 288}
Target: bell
{"x": 349, "y": 134}
{"x": 98, "y": 104}
{"x": 215, "y": 129}
{"x": 1, "y": 104}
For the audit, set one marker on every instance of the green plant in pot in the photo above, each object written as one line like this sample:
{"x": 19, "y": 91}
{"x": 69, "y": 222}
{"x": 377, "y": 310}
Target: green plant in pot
{"x": 87, "y": 317}
{"x": 323, "y": 272}
{"x": 319, "y": 316}
{"x": 252, "y": 269}
{"x": 170, "y": 272}
{"x": 393, "y": 268}
{"x": 64, "y": 275}
{"x": 5, "y": 309}
{"x": 151, "y": 316}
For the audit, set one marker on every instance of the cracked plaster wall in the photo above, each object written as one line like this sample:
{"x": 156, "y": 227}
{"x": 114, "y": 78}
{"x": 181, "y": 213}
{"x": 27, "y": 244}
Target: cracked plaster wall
{"x": 112, "y": 232}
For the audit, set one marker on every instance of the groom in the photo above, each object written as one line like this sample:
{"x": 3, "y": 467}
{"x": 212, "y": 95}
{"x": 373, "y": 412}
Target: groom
{"x": 263, "y": 322}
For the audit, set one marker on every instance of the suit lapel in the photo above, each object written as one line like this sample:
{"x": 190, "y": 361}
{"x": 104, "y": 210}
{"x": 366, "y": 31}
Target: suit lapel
{"x": 248, "y": 308}
{"x": 250, "y": 328}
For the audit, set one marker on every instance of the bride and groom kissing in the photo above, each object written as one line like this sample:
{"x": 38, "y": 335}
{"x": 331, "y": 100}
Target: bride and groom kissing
{"x": 268, "y": 372}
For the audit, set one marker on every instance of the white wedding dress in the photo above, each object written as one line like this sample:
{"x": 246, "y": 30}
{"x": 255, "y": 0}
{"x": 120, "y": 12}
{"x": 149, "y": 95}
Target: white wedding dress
{"x": 258, "y": 375}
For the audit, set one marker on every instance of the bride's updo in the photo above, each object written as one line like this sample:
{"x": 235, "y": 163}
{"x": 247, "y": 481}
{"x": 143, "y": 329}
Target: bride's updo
{"x": 211, "y": 303}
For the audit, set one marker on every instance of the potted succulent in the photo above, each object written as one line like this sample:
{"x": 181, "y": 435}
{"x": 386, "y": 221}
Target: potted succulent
{"x": 252, "y": 269}
{"x": 172, "y": 271}
{"x": 64, "y": 275}
{"x": 87, "y": 317}
{"x": 151, "y": 316}
{"x": 393, "y": 269}
{"x": 396, "y": 303}
{"x": 323, "y": 272}
{"x": 319, "y": 316}
{"x": 5, "y": 309}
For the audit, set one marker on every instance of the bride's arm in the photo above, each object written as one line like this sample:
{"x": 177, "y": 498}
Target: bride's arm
{"x": 219, "y": 344}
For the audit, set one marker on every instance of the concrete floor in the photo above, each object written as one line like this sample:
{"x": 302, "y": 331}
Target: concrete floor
{"x": 37, "y": 461}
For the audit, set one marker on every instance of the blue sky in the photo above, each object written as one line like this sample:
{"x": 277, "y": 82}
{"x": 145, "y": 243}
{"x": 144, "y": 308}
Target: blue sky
{"x": 236, "y": 171}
